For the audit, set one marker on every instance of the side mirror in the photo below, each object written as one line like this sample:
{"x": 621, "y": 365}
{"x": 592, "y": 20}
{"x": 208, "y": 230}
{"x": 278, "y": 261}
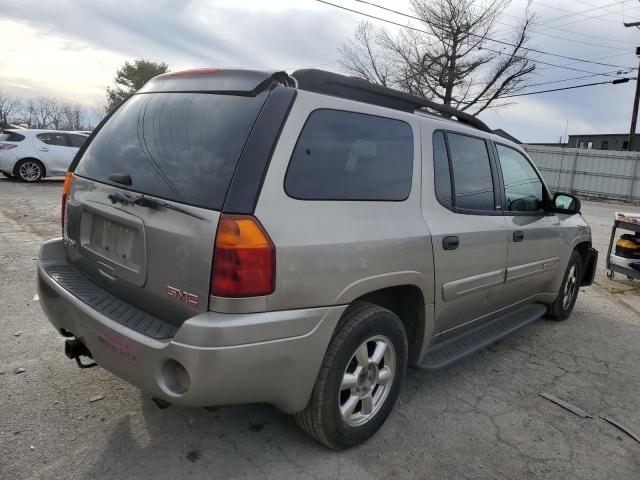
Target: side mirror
{"x": 565, "y": 203}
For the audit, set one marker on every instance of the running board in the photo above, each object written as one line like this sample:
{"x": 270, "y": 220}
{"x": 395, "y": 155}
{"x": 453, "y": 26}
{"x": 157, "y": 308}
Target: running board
{"x": 455, "y": 348}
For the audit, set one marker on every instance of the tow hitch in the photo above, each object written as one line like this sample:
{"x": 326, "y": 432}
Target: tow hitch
{"x": 75, "y": 349}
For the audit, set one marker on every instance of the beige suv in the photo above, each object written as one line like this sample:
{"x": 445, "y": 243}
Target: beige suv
{"x": 235, "y": 236}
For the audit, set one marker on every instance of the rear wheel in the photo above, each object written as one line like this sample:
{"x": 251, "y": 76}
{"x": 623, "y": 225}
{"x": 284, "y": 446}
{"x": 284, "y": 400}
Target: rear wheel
{"x": 29, "y": 170}
{"x": 359, "y": 380}
{"x": 8, "y": 175}
{"x": 562, "y": 307}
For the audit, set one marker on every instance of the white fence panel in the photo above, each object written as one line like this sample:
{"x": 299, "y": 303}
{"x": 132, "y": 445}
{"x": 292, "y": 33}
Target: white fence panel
{"x": 596, "y": 173}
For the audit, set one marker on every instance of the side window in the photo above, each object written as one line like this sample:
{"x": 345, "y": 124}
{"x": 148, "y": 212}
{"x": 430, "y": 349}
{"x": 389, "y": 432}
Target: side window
{"x": 55, "y": 139}
{"x": 14, "y": 137}
{"x": 442, "y": 175}
{"x": 472, "y": 180}
{"x": 351, "y": 156}
{"x": 522, "y": 186}
{"x": 76, "y": 141}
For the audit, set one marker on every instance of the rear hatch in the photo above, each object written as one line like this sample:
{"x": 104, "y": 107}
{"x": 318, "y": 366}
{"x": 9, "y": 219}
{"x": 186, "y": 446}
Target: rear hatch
{"x": 143, "y": 207}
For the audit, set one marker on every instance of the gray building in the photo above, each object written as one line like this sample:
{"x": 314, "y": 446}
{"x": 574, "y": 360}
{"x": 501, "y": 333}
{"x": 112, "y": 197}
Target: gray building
{"x": 613, "y": 141}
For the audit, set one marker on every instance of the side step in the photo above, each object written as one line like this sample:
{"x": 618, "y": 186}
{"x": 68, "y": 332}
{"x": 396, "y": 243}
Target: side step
{"x": 445, "y": 353}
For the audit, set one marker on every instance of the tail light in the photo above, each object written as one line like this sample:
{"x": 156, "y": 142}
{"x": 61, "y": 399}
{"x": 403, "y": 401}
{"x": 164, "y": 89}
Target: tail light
{"x": 243, "y": 258}
{"x": 7, "y": 146}
{"x": 65, "y": 190}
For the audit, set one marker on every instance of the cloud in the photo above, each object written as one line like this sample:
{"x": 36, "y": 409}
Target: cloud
{"x": 73, "y": 49}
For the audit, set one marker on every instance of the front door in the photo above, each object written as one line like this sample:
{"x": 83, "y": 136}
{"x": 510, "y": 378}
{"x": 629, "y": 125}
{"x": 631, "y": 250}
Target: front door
{"x": 469, "y": 233}
{"x": 534, "y": 237}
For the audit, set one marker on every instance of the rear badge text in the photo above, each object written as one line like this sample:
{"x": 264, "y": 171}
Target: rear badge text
{"x": 181, "y": 295}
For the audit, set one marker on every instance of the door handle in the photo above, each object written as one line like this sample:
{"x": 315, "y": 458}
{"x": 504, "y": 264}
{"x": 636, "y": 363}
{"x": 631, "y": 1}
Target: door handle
{"x": 44, "y": 149}
{"x": 450, "y": 243}
{"x": 518, "y": 236}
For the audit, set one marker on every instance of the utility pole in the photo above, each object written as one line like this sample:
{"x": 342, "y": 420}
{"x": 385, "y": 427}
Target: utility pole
{"x": 634, "y": 115}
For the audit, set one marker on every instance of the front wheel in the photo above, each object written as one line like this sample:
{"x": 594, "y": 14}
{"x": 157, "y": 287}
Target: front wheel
{"x": 359, "y": 380}
{"x": 562, "y": 307}
{"x": 29, "y": 170}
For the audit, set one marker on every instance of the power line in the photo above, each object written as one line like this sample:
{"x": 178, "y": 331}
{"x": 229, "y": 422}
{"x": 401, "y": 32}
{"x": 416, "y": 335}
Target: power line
{"x": 615, "y": 82}
{"x": 473, "y": 35}
{"x": 587, "y": 35}
{"x": 540, "y": 32}
{"x": 567, "y": 79}
{"x": 546, "y": 25}
{"x": 571, "y": 13}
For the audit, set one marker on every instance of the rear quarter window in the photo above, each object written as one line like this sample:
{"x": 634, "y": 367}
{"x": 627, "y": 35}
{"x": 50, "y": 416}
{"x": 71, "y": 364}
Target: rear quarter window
{"x": 11, "y": 137}
{"x": 351, "y": 156}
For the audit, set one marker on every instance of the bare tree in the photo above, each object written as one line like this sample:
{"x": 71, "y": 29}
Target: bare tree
{"x": 56, "y": 113}
{"x": 9, "y": 106}
{"x": 447, "y": 55}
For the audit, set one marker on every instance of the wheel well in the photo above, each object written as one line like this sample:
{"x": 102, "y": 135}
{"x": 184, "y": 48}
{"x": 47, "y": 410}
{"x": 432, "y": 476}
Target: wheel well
{"x": 583, "y": 249}
{"x": 44, "y": 167}
{"x": 407, "y": 302}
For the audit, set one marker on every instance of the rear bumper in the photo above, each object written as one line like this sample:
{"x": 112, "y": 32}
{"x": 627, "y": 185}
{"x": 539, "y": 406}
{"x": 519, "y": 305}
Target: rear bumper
{"x": 268, "y": 357}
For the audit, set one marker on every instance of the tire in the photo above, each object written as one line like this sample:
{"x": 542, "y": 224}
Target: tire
{"x": 8, "y": 175}
{"x": 370, "y": 397}
{"x": 29, "y": 170}
{"x": 562, "y": 307}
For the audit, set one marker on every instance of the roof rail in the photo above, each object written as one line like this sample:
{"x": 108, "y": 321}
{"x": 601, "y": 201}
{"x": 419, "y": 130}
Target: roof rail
{"x": 329, "y": 83}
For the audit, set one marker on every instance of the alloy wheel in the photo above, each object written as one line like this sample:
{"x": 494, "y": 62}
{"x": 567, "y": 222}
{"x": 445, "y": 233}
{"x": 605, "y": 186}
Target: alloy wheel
{"x": 30, "y": 171}
{"x": 367, "y": 380}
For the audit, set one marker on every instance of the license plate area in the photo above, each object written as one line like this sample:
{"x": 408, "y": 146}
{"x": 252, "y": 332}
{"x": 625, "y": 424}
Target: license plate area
{"x": 115, "y": 240}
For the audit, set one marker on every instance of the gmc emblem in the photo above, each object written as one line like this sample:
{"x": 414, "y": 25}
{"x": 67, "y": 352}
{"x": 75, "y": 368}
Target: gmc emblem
{"x": 181, "y": 296}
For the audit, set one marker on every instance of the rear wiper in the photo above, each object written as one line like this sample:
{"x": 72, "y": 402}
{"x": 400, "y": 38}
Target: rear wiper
{"x": 142, "y": 201}
{"x": 150, "y": 203}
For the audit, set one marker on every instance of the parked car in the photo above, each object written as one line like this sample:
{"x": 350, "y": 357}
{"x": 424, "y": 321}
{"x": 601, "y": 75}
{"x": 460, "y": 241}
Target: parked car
{"x": 31, "y": 155}
{"x": 234, "y": 236}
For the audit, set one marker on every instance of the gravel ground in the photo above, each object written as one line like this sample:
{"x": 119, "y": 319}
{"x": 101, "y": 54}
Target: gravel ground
{"x": 481, "y": 418}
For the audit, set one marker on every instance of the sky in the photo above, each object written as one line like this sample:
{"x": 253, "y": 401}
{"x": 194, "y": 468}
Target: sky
{"x": 72, "y": 49}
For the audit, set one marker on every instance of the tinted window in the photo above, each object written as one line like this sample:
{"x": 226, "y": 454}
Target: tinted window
{"x": 13, "y": 137}
{"x": 179, "y": 146}
{"x": 76, "y": 140}
{"x": 442, "y": 176}
{"x": 522, "y": 186}
{"x": 55, "y": 139}
{"x": 473, "y": 184}
{"x": 351, "y": 156}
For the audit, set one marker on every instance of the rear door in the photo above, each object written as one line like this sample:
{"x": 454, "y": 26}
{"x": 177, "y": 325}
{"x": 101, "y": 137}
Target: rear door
{"x": 144, "y": 203}
{"x": 469, "y": 233}
{"x": 534, "y": 240}
{"x": 56, "y": 151}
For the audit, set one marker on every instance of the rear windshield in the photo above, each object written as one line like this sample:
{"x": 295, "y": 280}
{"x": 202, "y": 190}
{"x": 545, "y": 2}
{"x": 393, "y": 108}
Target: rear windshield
{"x": 178, "y": 146}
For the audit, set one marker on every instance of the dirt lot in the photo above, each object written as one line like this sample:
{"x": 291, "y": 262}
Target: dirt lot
{"x": 481, "y": 418}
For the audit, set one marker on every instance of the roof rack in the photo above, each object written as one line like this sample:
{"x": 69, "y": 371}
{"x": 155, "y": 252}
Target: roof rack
{"x": 352, "y": 88}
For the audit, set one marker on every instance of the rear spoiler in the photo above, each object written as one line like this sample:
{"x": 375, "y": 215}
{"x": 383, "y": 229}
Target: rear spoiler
{"x": 213, "y": 80}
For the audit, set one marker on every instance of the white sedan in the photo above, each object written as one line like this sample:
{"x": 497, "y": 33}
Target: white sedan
{"x": 31, "y": 155}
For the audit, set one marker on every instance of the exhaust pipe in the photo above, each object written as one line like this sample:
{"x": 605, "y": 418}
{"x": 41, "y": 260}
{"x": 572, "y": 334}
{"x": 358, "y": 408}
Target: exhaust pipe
{"x": 74, "y": 349}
